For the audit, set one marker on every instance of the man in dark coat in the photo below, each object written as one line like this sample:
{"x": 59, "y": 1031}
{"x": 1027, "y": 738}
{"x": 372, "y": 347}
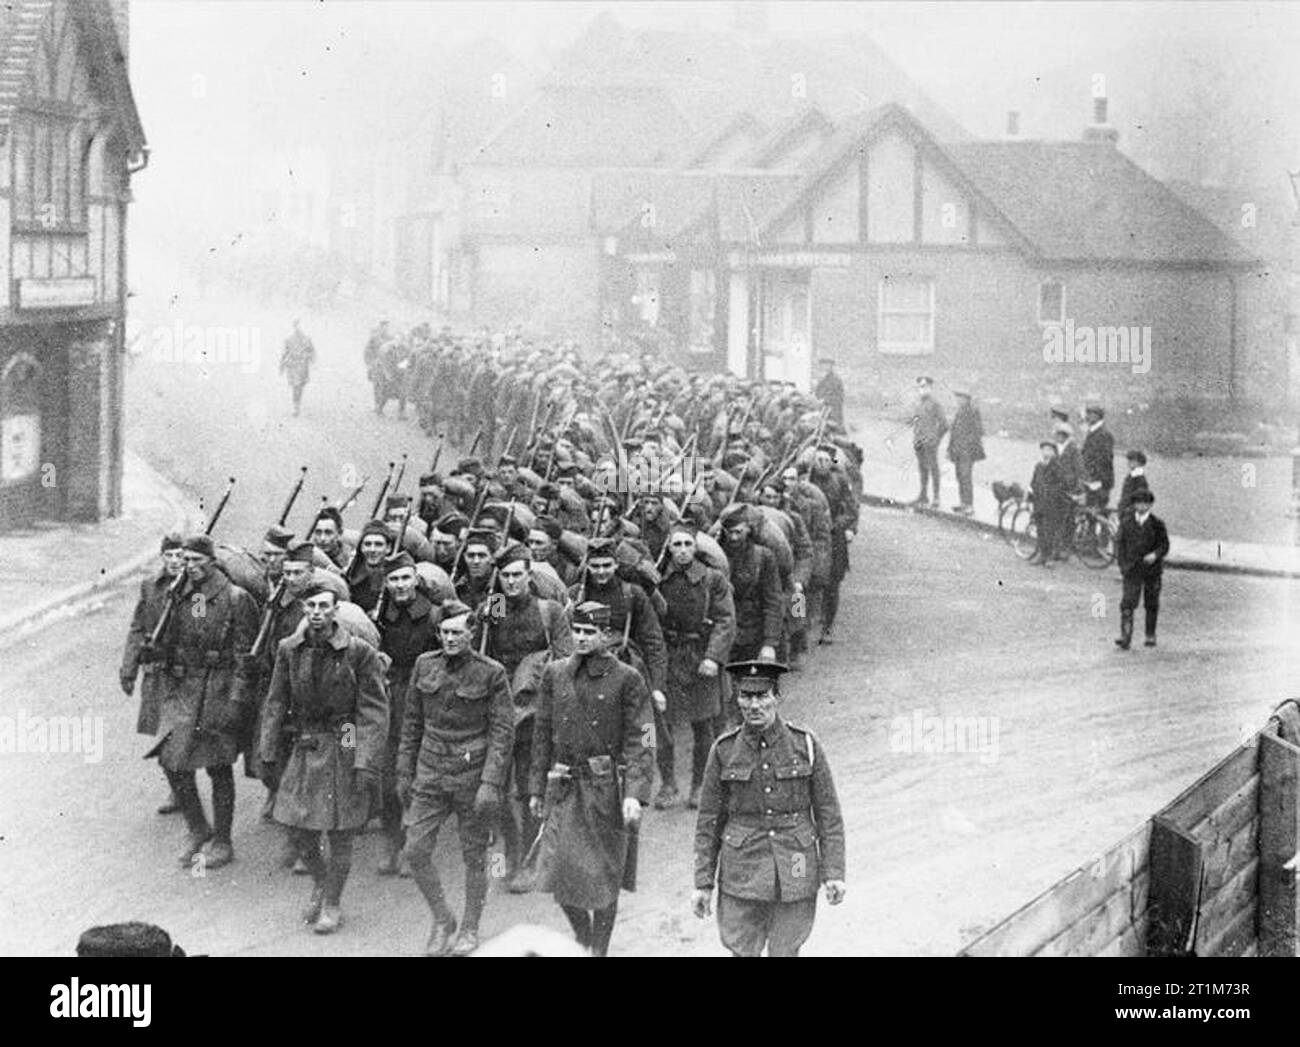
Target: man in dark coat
{"x": 928, "y": 428}
{"x": 408, "y": 627}
{"x": 457, "y": 735}
{"x": 830, "y": 390}
{"x": 843, "y": 508}
{"x": 591, "y": 774}
{"x": 205, "y": 703}
{"x": 755, "y": 587}
{"x": 1051, "y": 503}
{"x": 1098, "y": 458}
{"x": 965, "y": 448}
{"x": 327, "y": 689}
{"x": 1070, "y": 462}
{"x": 769, "y": 831}
{"x": 139, "y": 657}
{"x": 523, "y": 632}
{"x": 699, "y": 626}
{"x": 1140, "y": 551}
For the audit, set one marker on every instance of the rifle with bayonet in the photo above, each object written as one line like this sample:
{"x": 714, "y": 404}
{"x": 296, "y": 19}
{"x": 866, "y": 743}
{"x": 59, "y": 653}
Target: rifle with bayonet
{"x": 277, "y": 594}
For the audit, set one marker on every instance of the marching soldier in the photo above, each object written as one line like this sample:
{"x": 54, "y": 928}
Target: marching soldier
{"x": 457, "y": 734}
{"x": 204, "y": 700}
{"x": 408, "y": 628}
{"x": 755, "y": 587}
{"x": 523, "y": 632}
{"x": 328, "y": 537}
{"x": 699, "y": 626}
{"x": 591, "y": 774}
{"x": 830, "y": 390}
{"x": 139, "y": 657}
{"x": 843, "y": 508}
{"x": 327, "y": 689}
{"x": 768, "y": 795}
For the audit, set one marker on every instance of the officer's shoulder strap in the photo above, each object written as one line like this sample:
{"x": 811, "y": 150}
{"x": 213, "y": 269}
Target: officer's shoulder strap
{"x": 807, "y": 738}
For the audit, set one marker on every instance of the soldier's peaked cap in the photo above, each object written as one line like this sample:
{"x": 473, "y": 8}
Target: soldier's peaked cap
{"x": 592, "y": 613}
{"x": 756, "y": 677}
{"x": 452, "y": 609}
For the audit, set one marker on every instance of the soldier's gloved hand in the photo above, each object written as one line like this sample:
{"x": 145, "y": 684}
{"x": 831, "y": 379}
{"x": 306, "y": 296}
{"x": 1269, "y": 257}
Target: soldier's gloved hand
{"x": 702, "y": 903}
{"x": 631, "y": 810}
{"x": 535, "y": 806}
{"x": 127, "y": 680}
{"x": 849, "y": 534}
{"x": 659, "y": 698}
{"x": 767, "y": 653}
{"x": 834, "y": 892}
{"x": 708, "y": 667}
{"x": 487, "y": 800}
{"x": 404, "y": 789}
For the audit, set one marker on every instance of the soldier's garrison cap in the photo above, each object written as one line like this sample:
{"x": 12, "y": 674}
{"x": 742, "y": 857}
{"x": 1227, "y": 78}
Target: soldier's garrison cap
{"x": 398, "y": 561}
{"x": 514, "y": 554}
{"x": 301, "y": 552}
{"x": 172, "y": 541}
{"x": 452, "y": 609}
{"x": 127, "y": 939}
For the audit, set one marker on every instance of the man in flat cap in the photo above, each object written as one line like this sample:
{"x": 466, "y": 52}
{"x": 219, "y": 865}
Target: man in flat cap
{"x": 928, "y": 428}
{"x": 524, "y": 632}
{"x": 1098, "y": 458}
{"x": 965, "y": 448}
{"x": 205, "y": 703}
{"x": 327, "y": 692}
{"x": 1140, "y": 550}
{"x": 591, "y": 775}
{"x": 699, "y": 627}
{"x": 457, "y": 732}
{"x": 140, "y": 657}
{"x": 408, "y": 628}
{"x": 768, "y": 795}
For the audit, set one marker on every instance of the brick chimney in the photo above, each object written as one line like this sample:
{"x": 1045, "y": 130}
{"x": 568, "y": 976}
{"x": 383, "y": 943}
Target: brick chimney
{"x": 1099, "y": 131}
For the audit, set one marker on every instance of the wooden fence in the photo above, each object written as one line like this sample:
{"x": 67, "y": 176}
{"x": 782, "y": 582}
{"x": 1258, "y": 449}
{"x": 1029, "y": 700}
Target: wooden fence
{"x": 1212, "y": 874}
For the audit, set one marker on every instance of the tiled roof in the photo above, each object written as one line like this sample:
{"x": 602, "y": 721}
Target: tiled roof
{"x": 20, "y": 25}
{"x": 1273, "y": 232}
{"x": 1088, "y": 201}
{"x": 629, "y": 125}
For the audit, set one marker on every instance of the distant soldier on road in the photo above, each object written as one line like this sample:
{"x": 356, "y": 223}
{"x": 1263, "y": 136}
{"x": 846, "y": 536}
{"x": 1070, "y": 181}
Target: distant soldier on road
{"x": 296, "y": 359}
{"x": 830, "y": 390}
{"x": 769, "y": 831}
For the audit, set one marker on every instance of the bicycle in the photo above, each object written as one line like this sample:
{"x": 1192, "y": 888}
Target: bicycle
{"x": 1093, "y": 532}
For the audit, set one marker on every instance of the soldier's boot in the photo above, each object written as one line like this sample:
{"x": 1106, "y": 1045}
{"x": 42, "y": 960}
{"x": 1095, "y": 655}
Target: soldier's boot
{"x": 525, "y": 875}
{"x": 476, "y": 887}
{"x": 512, "y": 846}
{"x": 580, "y": 921}
{"x": 172, "y": 805}
{"x": 268, "y": 806}
{"x": 197, "y": 830}
{"x": 444, "y": 924}
{"x": 219, "y": 851}
{"x": 602, "y": 929}
{"x": 311, "y": 913}
{"x": 336, "y": 877}
{"x": 1125, "y": 630}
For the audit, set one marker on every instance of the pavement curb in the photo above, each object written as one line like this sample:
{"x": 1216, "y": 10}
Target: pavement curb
{"x": 64, "y": 600}
{"x": 1174, "y": 562}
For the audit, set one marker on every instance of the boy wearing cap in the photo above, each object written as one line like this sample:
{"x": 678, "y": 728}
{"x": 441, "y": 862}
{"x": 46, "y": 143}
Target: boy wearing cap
{"x": 140, "y": 657}
{"x": 1140, "y": 551}
{"x": 769, "y": 796}
{"x": 205, "y": 702}
{"x": 591, "y": 774}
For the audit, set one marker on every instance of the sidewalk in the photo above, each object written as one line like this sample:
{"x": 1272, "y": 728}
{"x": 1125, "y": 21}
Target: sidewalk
{"x": 54, "y": 565}
{"x": 890, "y": 477}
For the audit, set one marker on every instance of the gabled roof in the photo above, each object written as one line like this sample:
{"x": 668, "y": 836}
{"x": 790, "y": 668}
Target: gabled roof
{"x": 1084, "y": 201}
{"x": 807, "y": 118}
{"x": 1060, "y": 201}
{"x": 710, "y": 141}
{"x": 630, "y": 125}
{"x": 1273, "y": 233}
{"x": 21, "y": 23}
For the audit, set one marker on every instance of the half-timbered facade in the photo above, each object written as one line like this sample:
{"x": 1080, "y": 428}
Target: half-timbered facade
{"x": 71, "y": 139}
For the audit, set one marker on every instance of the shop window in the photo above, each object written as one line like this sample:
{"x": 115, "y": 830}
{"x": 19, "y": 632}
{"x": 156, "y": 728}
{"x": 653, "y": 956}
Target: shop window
{"x": 906, "y": 317}
{"x": 20, "y": 420}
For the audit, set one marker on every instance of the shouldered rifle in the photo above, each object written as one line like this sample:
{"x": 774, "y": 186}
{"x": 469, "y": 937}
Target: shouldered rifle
{"x": 346, "y": 503}
{"x": 464, "y": 538}
{"x": 174, "y": 590}
{"x": 383, "y": 492}
{"x": 293, "y": 496}
{"x": 401, "y": 471}
{"x": 381, "y": 604}
{"x": 474, "y": 444}
{"x": 437, "y": 453}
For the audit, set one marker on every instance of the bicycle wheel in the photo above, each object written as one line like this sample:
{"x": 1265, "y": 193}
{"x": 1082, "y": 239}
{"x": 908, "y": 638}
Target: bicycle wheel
{"x": 1099, "y": 544}
{"x": 1006, "y": 510}
{"x": 1024, "y": 532}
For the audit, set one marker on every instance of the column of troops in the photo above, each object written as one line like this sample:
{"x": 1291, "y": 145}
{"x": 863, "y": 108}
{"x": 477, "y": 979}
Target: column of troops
{"x": 622, "y": 549}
